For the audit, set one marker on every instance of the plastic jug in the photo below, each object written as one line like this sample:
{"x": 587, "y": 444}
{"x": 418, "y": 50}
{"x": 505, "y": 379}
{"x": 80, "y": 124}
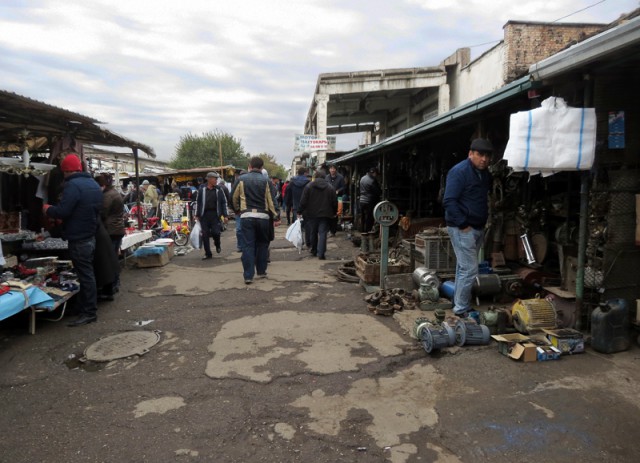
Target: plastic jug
{"x": 610, "y": 327}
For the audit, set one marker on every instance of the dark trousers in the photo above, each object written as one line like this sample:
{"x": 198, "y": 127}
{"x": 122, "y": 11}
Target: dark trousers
{"x": 318, "y": 228}
{"x": 366, "y": 217}
{"x": 211, "y": 228}
{"x": 255, "y": 252}
{"x": 81, "y": 253}
{"x": 112, "y": 288}
{"x": 333, "y": 225}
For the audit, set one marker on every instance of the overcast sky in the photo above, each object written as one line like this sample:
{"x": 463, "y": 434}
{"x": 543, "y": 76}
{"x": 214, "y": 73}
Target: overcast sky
{"x": 155, "y": 70}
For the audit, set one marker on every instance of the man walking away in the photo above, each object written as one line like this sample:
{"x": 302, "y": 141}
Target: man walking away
{"x": 466, "y": 210}
{"x": 319, "y": 205}
{"x": 252, "y": 199}
{"x": 79, "y": 209}
{"x": 210, "y": 206}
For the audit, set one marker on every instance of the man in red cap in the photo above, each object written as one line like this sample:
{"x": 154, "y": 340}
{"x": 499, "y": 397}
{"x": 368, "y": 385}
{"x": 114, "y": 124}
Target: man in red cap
{"x": 78, "y": 209}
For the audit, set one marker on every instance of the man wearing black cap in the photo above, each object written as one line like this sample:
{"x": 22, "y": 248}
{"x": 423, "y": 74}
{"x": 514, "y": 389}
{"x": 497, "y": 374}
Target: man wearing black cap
{"x": 370, "y": 193}
{"x": 466, "y": 211}
{"x": 210, "y": 206}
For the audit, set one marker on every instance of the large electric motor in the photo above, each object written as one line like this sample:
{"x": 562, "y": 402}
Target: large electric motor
{"x": 533, "y": 315}
{"x": 469, "y": 332}
{"x": 434, "y": 337}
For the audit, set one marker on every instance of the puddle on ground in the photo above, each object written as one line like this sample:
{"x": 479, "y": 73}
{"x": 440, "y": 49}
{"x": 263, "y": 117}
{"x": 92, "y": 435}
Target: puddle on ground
{"x": 78, "y": 362}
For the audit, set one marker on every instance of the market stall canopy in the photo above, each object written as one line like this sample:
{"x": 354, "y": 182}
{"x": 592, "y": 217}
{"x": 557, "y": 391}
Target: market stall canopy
{"x": 187, "y": 174}
{"x": 24, "y": 120}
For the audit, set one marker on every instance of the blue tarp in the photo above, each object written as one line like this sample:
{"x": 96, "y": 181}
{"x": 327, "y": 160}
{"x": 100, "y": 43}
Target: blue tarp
{"x": 15, "y": 301}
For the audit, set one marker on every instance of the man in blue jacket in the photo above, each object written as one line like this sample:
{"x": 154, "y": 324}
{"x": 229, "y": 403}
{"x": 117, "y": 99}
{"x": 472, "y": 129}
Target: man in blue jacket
{"x": 466, "y": 211}
{"x": 79, "y": 208}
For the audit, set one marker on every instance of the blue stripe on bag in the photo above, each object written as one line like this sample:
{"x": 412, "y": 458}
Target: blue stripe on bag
{"x": 526, "y": 158}
{"x": 580, "y": 142}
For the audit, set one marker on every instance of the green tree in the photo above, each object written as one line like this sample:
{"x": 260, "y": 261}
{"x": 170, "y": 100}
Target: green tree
{"x": 272, "y": 166}
{"x": 204, "y": 151}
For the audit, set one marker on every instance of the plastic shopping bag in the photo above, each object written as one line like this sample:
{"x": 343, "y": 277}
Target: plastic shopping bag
{"x": 195, "y": 235}
{"x": 294, "y": 234}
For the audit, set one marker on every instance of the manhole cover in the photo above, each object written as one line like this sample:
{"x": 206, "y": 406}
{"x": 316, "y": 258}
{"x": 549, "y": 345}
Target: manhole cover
{"x": 122, "y": 345}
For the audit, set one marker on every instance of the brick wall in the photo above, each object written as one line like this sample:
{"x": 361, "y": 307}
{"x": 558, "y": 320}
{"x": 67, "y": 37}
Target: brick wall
{"x": 529, "y": 42}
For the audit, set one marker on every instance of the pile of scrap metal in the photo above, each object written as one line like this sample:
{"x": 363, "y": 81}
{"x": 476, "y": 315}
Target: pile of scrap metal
{"x": 386, "y": 302}
{"x": 347, "y": 273}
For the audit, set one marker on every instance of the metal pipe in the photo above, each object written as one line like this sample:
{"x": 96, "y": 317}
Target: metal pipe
{"x": 584, "y": 212}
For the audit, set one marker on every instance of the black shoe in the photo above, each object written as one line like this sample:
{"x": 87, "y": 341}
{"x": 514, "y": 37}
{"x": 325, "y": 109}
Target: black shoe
{"x": 464, "y": 314}
{"x": 105, "y": 297}
{"x": 248, "y": 282}
{"x": 218, "y": 250}
{"x": 262, "y": 275}
{"x": 83, "y": 320}
{"x": 322, "y": 258}
{"x": 207, "y": 257}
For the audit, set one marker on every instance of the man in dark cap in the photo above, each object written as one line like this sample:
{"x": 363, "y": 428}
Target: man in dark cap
{"x": 466, "y": 211}
{"x": 79, "y": 209}
{"x": 210, "y": 206}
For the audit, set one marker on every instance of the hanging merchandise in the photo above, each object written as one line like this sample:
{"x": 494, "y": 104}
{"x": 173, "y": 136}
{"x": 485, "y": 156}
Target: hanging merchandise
{"x": 552, "y": 138}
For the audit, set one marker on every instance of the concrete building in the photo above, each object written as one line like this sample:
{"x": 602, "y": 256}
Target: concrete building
{"x": 383, "y": 103}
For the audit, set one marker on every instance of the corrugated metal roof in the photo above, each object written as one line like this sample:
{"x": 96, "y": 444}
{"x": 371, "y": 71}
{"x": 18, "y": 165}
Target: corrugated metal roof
{"x": 41, "y": 120}
{"x": 514, "y": 88}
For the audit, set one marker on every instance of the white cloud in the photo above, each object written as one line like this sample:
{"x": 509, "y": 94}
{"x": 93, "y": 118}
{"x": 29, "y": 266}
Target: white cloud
{"x": 158, "y": 69}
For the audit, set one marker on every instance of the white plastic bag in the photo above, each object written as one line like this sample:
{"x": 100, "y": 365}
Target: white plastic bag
{"x": 294, "y": 234}
{"x": 195, "y": 235}
{"x": 552, "y": 138}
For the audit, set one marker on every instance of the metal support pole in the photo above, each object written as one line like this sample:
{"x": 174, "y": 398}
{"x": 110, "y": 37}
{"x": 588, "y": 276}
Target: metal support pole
{"x": 584, "y": 213}
{"x": 582, "y": 246}
{"x": 135, "y": 158}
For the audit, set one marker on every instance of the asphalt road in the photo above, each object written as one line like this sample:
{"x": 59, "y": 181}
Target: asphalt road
{"x": 294, "y": 368}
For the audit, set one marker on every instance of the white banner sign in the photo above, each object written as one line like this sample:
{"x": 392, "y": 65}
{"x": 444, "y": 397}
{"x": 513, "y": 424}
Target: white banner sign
{"x": 311, "y": 143}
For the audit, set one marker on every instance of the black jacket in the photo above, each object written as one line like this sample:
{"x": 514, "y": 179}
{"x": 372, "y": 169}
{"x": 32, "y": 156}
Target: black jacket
{"x": 318, "y": 200}
{"x": 370, "y": 190}
{"x": 337, "y": 183}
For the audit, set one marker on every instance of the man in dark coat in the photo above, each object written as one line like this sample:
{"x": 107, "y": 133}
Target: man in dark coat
{"x": 79, "y": 208}
{"x": 370, "y": 193}
{"x": 112, "y": 218}
{"x": 294, "y": 192}
{"x": 211, "y": 205}
{"x": 319, "y": 205}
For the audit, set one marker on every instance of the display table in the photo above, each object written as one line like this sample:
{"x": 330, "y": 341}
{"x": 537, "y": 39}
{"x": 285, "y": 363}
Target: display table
{"x": 34, "y": 299}
{"x": 135, "y": 238}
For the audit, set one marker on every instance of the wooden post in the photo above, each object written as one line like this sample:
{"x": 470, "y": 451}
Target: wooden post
{"x": 220, "y": 150}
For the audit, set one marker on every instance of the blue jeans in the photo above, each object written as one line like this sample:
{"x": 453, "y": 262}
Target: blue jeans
{"x": 319, "y": 226}
{"x": 466, "y": 245}
{"x": 255, "y": 252}
{"x": 239, "y": 235}
{"x": 81, "y": 253}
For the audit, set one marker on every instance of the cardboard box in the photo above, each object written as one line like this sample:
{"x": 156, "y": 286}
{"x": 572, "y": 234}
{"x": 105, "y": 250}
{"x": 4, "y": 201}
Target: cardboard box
{"x": 153, "y": 260}
{"x": 566, "y": 340}
{"x": 519, "y": 346}
{"x": 545, "y": 353}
